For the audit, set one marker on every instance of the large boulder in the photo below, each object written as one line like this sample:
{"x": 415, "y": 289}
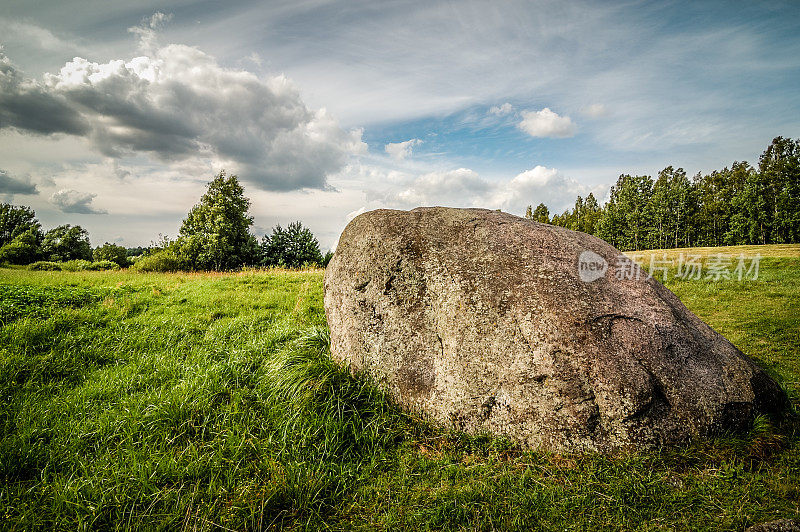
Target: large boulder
{"x": 488, "y": 322}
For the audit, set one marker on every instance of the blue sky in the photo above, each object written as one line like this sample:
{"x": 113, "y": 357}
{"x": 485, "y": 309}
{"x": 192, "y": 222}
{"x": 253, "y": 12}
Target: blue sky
{"x": 114, "y": 115}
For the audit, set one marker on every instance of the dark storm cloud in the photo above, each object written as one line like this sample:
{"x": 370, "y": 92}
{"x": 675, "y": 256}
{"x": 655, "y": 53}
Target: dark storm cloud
{"x": 11, "y": 185}
{"x": 180, "y": 103}
{"x": 28, "y": 106}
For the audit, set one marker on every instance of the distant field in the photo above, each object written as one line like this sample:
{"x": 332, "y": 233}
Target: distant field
{"x": 772, "y": 250}
{"x": 208, "y": 402}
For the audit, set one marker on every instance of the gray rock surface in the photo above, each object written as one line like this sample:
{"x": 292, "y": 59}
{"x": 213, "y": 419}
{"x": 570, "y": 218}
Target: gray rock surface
{"x": 781, "y": 525}
{"x": 484, "y": 321}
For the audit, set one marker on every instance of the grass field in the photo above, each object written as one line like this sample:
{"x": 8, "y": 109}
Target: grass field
{"x": 208, "y": 402}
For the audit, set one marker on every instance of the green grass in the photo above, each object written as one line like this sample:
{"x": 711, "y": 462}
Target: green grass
{"x": 209, "y": 402}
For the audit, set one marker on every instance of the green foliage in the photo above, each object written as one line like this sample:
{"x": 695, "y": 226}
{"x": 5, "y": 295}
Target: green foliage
{"x": 67, "y": 242}
{"x": 101, "y": 265}
{"x": 45, "y": 265}
{"x": 292, "y": 247}
{"x": 584, "y": 216}
{"x": 779, "y": 168}
{"x": 160, "y": 261}
{"x": 20, "y": 234}
{"x": 672, "y": 207}
{"x": 326, "y": 258}
{"x": 23, "y": 249}
{"x": 38, "y": 302}
{"x": 16, "y": 220}
{"x": 541, "y": 214}
{"x": 723, "y": 211}
{"x": 626, "y": 219}
{"x": 136, "y": 251}
{"x": 76, "y": 265}
{"x": 113, "y": 253}
{"x": 215, "y": 235}
{"x": 590, "y": 215}
{"x": 733, "y": 206}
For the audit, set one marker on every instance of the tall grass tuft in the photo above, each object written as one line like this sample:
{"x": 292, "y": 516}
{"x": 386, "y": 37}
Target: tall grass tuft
{"x": 328, "y": 413}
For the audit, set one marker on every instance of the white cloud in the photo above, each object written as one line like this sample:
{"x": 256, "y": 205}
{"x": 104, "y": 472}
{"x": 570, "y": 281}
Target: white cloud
{"x": 546, "y": 123}
{"x": 595, "y": 110}
{"x": 255, "y": 58}
{"x": 540, "y": 185}
{"x": 460, "y": 187}
{"x": 72, "y": 201}
{"x": 502, "y": 110}
{"x": 401, "y": 150}
{"x": 148, "y": 31}
{"x": 178, "y": 103}
{"x": 464, "y": 187}
{"x": 353, "y": 214}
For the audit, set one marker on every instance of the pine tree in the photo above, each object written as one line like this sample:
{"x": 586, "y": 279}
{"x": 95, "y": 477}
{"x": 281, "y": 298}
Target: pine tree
{"x": 779, "y": 167}
{"x": 541, "y": 214}
{"x": 627, "y": 219}
{"x": 591, "y": 215}
{"x": 292, "y": 247}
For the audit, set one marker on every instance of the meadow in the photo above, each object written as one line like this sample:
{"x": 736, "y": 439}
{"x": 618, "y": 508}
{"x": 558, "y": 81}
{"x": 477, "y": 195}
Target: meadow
{"x": 208, "y": 401}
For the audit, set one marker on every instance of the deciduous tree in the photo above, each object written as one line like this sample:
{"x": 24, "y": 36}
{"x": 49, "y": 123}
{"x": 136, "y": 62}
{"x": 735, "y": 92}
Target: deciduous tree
{"x": 215, "y": 235}
{"x": 15, "y": 220}
{"x": 112, "y": 252}
{"x": 67, "y": 242}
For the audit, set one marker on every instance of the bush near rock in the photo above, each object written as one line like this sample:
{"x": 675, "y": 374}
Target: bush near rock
{"x": 484, "y": 322}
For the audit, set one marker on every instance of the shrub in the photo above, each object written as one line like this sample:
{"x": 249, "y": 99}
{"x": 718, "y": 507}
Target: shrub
{"x": 113, "y": 253}
{"x": 45, "y": 265}
{"x": 161, "y": 261}
{"x": 76, "y": 265}
{"x": 99, "y": 265}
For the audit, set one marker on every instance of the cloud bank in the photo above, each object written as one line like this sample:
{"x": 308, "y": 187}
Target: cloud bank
{"x": 464, "y": 187}
{"x": 177, "y": 103}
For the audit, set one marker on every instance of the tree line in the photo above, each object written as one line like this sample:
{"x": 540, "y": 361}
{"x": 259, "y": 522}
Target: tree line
{"x": 736, "y": 205}
{"x": 215, "y": 235}
{"x": 22, "y": 241}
